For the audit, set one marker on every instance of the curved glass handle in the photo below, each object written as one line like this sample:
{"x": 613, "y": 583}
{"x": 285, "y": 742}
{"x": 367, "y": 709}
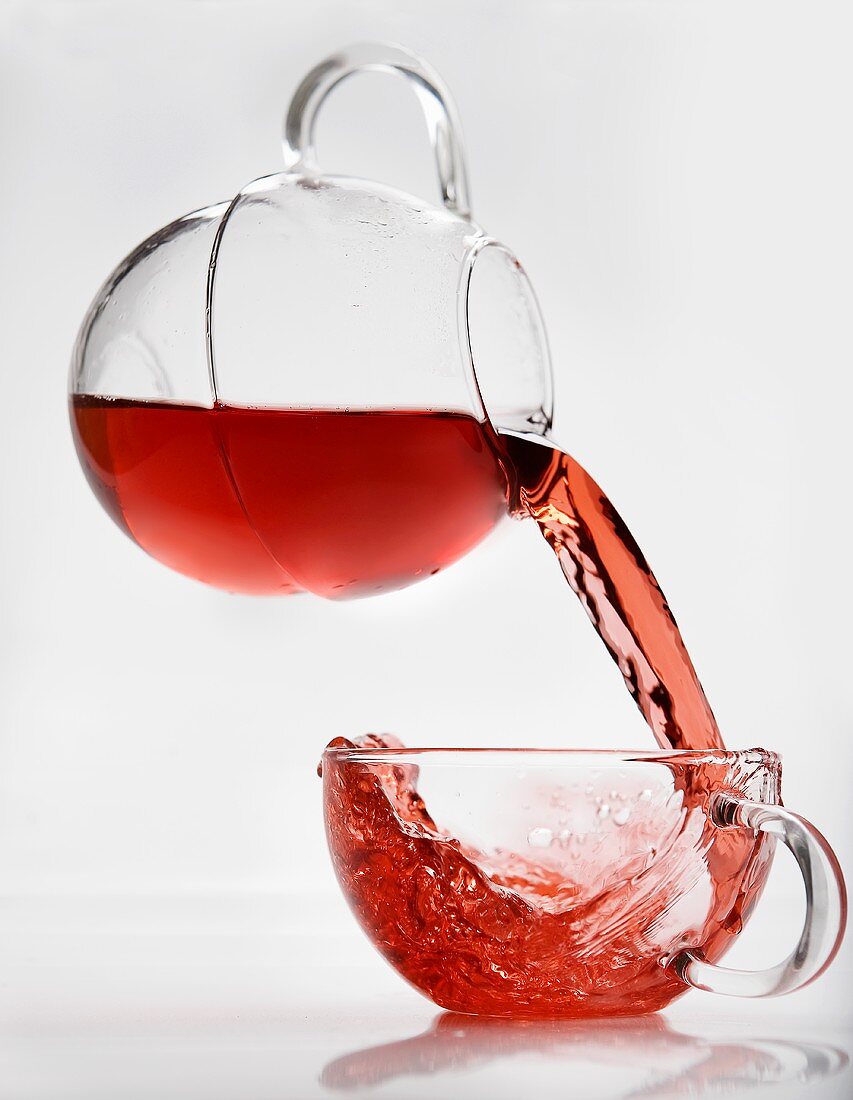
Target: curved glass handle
{"x": 436, "y": 104}
{"x": 826, "y": 906}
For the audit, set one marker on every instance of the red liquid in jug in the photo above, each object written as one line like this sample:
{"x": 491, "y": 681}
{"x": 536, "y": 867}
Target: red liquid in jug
{"x": 272, "y": 501}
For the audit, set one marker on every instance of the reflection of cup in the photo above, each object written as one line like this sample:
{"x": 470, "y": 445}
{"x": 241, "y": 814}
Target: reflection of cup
{"x": 678, "y": 1064}
{"x": 569, "y": 883}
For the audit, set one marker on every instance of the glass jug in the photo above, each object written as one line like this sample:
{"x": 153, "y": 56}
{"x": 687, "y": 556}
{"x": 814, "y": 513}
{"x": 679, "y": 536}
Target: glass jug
{"x": 288, "y": 391}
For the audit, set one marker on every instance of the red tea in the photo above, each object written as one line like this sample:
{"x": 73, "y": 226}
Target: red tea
{"x": 273, "y": 501}
{"x": 610, "y": 576}
{"x": 583, "y": 930}
{"x": 159, "y": 472}
{"x": 505, "y": 933}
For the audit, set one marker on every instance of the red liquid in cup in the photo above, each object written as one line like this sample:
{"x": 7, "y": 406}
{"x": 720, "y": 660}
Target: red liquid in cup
{"x": 501, "y": 933}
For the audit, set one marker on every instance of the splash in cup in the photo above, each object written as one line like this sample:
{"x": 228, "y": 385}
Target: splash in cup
{"x": 513, "y": 882}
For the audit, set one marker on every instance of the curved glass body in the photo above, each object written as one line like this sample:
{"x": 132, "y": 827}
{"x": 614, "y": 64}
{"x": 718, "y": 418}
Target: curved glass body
{"x": 279, "y": 393}
{"x": 568, "y": 883}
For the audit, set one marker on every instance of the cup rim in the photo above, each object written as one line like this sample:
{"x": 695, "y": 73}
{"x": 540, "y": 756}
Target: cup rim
{"x": 578, "y": 757}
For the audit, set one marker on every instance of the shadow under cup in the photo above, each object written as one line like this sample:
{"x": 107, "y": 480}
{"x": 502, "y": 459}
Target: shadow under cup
{"x": 569, "y": 883}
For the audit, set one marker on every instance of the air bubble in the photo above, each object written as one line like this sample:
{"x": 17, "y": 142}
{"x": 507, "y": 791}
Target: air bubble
{"x": 621, "y": 816}
{"x": 540, "y": 837}
{"x": 603, "y": 811}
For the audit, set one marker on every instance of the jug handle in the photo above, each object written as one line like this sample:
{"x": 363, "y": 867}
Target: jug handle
{"x": 826, "y": 906}
{"x": 437, "y": 106}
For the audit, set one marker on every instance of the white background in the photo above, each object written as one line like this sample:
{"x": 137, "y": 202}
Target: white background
{"x": 676, "y": 178}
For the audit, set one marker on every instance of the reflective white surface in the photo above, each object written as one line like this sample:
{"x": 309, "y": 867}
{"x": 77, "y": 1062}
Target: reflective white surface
{"x": 270, "y": 997}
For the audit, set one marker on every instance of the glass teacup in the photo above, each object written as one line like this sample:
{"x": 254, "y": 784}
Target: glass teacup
{"x": 513, "y": 882}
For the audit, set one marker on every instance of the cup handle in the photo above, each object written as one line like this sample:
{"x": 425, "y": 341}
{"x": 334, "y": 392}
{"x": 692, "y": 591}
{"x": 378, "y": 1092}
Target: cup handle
{"x": 826, "y": 906}
{"x": 438, "y": 108}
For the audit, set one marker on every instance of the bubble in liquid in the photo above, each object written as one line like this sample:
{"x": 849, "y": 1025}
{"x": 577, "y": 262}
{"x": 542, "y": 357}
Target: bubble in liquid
{"x": 621, "y": 816}
{"x": 603, "y": 811}
{"x": 540, "y": 837}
